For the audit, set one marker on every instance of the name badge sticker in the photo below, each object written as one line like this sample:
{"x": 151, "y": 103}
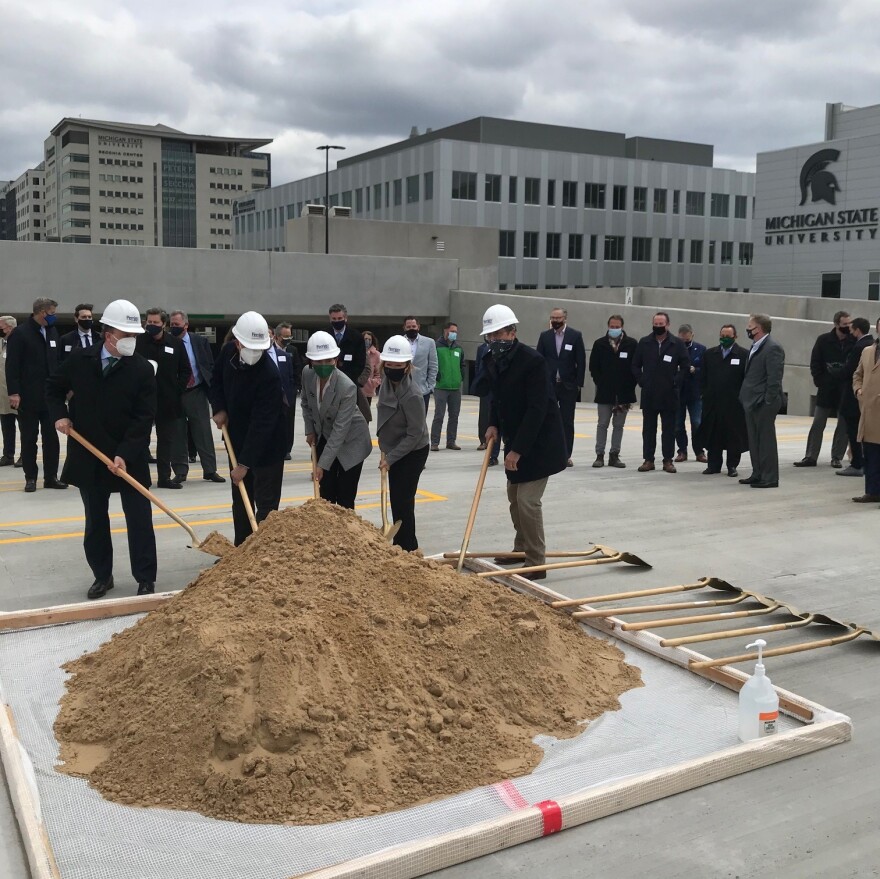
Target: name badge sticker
{"x": 667, "y": 358}
{"x": 169, "y": 349}
{"x": 569, "y": 348}
{"x": 624, "y": 355}
{"x": 68, "y": 348}
{"x": 347, "y": 357}
{"x": 52, "y": 343}
{"x": 282, "y": 358}
{"x": 735, "y": 362}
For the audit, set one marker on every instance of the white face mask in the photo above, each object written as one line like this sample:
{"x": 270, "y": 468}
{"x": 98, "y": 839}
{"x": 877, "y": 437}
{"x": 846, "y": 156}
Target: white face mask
{"x": 125, "y": 346}
{"x": 249, "y": 356}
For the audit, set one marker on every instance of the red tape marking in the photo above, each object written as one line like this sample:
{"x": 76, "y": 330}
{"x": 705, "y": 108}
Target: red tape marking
{"x": 552, "y": 815}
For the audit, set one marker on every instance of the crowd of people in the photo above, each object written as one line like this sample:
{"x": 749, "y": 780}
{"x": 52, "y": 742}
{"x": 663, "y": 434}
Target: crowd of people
{"x": 117, "y": 379}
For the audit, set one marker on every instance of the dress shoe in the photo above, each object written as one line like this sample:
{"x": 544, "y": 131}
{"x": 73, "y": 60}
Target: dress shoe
{"x": 151, "y": 460}
{"x": 647, "y": 466}
{"x": 850, "y": 471}
{"x": 835, "y": 463}
{"x": 435, "y": 448}
{"x": 179, "y": 479}
{"x": 168, "y": 483}
{"x": 569, "y": 463}
{"x": 30, "y": 485}
{"x": 505, "y": 560}
{"x": 192, "y": 459}
{"x": 54, "y": 483}
{"x": 534, "y": 575}
{"x": 669, "y": 467}
{"x": 213, "y": 477}
{"x": 600, "y": 461}
{"x": 702, "y": 459}
{"x": 764, "y": 485}
{"x": 680, "y": 457}
{"x": 453, "y": 446}
{"x": 481, "y": 447}
{"x": 146, "y": 588}
{"x": 493, "y": 462}
{"x": 18, "y": 462}
{"x": 614, "y": 460}
{"x": 7, "y": 461}
{"x": 100, "y": 588}
{"x": 732, "y": 471}
{"x": 867, "y": 499}
{"x": 288, "y": 458}
{"x": 709, "y": 471}
{"x": 748, "y": 481}
{"x": 805, "y": 462}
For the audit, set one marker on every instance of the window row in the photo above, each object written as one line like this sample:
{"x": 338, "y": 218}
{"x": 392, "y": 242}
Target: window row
{"x": 121, "y": 241}
{"x": 236, "y": 186}
{"x": 110, "y": 193}
{"x": 614, "y": 248}
{"x": 131, "y": 163}
{"x": 128, "y": 227}
{"x": 221, "y": 231}
{"x": 120, "y": 178}
{"x": 107, "y": 210}
{"x": 233, "y": 172}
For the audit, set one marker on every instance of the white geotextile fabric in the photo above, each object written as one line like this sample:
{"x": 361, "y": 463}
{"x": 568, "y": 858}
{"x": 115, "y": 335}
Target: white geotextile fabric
{"x": 676, "y": 716}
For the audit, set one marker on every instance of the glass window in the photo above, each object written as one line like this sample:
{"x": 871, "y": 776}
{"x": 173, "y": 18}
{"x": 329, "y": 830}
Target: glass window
{"x": 359, "y": 201}
{"x": 614, "y": 248}
{"x": 745, "y": 253}
{"x": 575, "y": 246}
{"x": 551, "y": 192}
{"x": 719, "y": 205}
{"x": 346, "y": 198}
{"x": 664, "y": 249}
{"x": 594, "y": 196}
{"x": 619, "y": 198}
{"x": 398, "y": 192}
{"x": 429, "y": 185}
{"x": 569, "y": 193}
{"x": 873, "y": 286}
{"x": 740, "y": 206}
{"x": 464, "y": 185}
{"x": 533, "y": 190}
{"x": 696, "y": 252}
{"x": 711, "y": 253}
{"x": 659, "y": 201}
{"x": 178, "y": 194}
{"x": 726, "y": 253}
{"x": 831, "y": 285}
{"x": 507, "y": 242}
{"x": 641, "y": 249}
{"x": 554, "y": 245}
{"x": 377, "y": 196}
{"x": 530, "y": 245}
{"x": 640, "y": 198}
{"x": 695, "y": 204}
{"x": 511, "y": 190}
{"x": 412, "y": 189}
{"x": 681, "y": 249}
{"x": 676, "y": 201}
{"x": 493, "y": 187}
{"x": 594, "y": 239}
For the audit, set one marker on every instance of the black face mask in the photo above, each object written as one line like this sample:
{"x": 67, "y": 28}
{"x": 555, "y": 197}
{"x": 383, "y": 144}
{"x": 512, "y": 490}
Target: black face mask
{"x": 501, "y": 349}
{"x": 557, "y": 324}
{"x": 338, "y": 325}
{"x": 176, "y": 331}
{"x": 844, "y": 330}
{"x": 411, "y": 334}
{"x": 153, "y": 330}
{"x": 86, "y": 324}
{"x": 659, "y": 331}
{"x": 750, "y": 333}
{"x": 395, "y": 375}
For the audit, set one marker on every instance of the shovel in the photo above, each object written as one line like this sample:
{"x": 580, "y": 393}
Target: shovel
{"x": 315, "y": 487}
{"x": 244, "y": 495}
{"x": 702, "y": 583}
{"x": 214, "y": 544}
{"x": 472, "y": 516}
{"x": 389, "y": 529}
{"x": 612, "y": 557}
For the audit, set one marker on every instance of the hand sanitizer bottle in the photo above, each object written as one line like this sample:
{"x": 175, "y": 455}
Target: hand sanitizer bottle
{"x": 758, "y": 702}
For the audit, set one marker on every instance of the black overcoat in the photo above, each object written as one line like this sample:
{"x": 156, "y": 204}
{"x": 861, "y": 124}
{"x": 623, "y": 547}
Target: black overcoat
{"x": 612, "y": 370}
{"x": 849, "y": 405}
{"x": 827, "y": 361}
{"x": 31, "y": 358}
{"x": 172, "y": 372}
{"x": 659, "y": 370}
{"x": 114, "y": 412}
{"x": 723, "y": 425}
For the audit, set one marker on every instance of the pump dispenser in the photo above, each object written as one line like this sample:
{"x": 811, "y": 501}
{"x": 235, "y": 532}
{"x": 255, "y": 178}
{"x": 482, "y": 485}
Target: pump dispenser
{"x": 758, "y": 702}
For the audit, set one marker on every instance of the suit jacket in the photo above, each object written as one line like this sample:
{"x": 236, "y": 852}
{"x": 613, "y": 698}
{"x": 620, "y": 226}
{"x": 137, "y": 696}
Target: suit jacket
{"x": 849, "y": 405}
{"x": 72, "y": 340}
{"x": 723, "y": 425}
{"x": 867, "y": 378}
{"x": 251, "y": 398}
{"x": 287, "y": 373}
{"x": 172, "y": 372}
{"x": 401, "y": 426}
{"x": 337, "y": 419}
{"x": 114, "y": 412}
{"x": 352, "y": 355}
{"x": 204, "y": 357}
{"x": 611, "y": 370}
{"x": 827, "y": 360}
{"x": 691, "y": 382}
{"x": 424, "y": 372}
{"x": 525, "y": 411}
{"x": 659, "y": 370}
{"x": 297, "y": 362}
{"x": 30, "y": 359}
{"x": 762, "y": 385}
{"x": 571, "y": 362}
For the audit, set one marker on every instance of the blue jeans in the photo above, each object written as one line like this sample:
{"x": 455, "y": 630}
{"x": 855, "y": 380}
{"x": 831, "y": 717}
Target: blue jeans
{"x": 695, "y": 409}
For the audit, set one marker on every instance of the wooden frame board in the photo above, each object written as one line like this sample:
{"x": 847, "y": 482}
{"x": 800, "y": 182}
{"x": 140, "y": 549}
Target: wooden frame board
{"x": 823, "y": 728}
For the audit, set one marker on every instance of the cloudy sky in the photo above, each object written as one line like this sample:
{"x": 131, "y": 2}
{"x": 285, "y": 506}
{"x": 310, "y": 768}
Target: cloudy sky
{"x": 744, "y": 76}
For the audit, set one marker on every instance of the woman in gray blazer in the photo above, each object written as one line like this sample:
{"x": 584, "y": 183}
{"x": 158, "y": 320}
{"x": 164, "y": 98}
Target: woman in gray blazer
{"x": 403, "y": 436}
{"x": 333, "y": 422}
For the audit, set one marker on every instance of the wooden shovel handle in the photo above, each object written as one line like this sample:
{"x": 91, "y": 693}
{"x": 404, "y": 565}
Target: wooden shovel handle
{"x": 735, "y": 633}
{"x": 620, "y": 596}
{"x": 655, "y": 608}
{"x": 696, "y": 620}
{"x": 580, "y": 563}
{"x": 383, "y": 492}
{"x": 134, "y": 484}
{"x": 316, "y": 489}
{"x": 521, "y": 555}
{"x": 472, "y": 516}
{"x": 242, "y": 490}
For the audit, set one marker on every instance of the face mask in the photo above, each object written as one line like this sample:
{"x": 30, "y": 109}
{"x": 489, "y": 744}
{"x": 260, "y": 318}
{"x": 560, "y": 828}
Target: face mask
{"x": 844, "y": 330}
{"x": 750, "y": 333}
{"x": 368, "y": 344}
{"x": 615, "y": 333}
{"x": 86, "y": 324}
{"x": 50, "y": 320}
{"x": 726, "y": 341}
{"x": 411, "y": 334}
{"x": 395, "y": 374}
{"x": 250, "y": 357}
{"x": 176, "y": 331}
{"x": 452, "y": 336}
{"x": 153, "y": 330}
{"x": 125, "y": 346}
{"x": 338, "y": 325}
{"x": 557, "y": 324}
{"x": 659, "y": 331}
{"x": 323, "y": 370}
{"x": 2, "y": 334}
{"x": 501, "y": 348}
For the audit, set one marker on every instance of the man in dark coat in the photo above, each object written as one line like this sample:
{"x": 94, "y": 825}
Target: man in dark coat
{"x": 563, "y": 349}
{"x": 287, "y": 372}
{"x": 659, "y": 364}
{"x": 352, "y": 354}
{"x": 172, "y": 375}
{"x": 849, "y": 410}
{"x": 826, "y": 366}
{"x": 113, "y": 406}
{"x": 83, "y": 336}
{"x": 525, "y": 415}
{"x": 723, "y": 426}
{"x": 31, "y": 357}
{"x": 246, "y": 397}
{"x": 284, "y": 339}
{"x": 611, "y": 360}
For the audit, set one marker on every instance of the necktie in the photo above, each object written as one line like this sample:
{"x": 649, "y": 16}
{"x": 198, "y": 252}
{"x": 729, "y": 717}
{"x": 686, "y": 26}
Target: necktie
{"x": 86, "y": 340}
{"x": 109, "y": 365}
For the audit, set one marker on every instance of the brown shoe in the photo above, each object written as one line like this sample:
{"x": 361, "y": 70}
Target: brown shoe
{"x": 702, "y": 459}
{"x": 481, "y": 447}
{"x": 648, "y": 465}
{"x": 669, "y": 467}
{"x": 681, "y": 456}
{"x": 867, "y": 499}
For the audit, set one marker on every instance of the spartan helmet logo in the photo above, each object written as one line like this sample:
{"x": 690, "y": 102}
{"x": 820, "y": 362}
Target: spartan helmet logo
{"x": 821, "y": 183}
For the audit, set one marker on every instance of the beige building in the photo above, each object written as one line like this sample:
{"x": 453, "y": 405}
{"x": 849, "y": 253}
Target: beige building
{"x": 146, "y": 185}
{"x": 28, "y": 219}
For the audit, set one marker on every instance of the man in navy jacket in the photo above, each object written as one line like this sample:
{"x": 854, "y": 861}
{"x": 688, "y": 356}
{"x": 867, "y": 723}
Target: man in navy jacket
{"x": 690, "y": 396}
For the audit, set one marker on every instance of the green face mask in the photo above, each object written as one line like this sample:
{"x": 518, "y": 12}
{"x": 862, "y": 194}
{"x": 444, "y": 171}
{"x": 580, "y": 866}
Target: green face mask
{"x": 323, "y": 370}
{"x": 726, "y": 341}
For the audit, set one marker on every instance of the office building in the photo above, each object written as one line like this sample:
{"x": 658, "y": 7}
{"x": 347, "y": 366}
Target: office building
{"x": 149, "y": 185}
{"x": 572, "y": 207}
{"x": 7, "y": 211}
{"x": 26, "y": 220}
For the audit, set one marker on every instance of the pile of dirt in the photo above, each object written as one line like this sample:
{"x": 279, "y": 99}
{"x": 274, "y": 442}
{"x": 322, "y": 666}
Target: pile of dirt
{"x": 318, "y": 673}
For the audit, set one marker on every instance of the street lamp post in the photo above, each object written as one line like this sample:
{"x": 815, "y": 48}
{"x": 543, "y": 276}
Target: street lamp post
{"x": 327, "y": 147}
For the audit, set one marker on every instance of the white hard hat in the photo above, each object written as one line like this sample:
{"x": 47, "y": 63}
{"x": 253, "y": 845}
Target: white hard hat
{"x": 497, "y": 317}
{"x": 397, "y": 350}
{"x": 321, "y": 346}
{"x": 122, "y": 315}
{"x": 252, "y": 331}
